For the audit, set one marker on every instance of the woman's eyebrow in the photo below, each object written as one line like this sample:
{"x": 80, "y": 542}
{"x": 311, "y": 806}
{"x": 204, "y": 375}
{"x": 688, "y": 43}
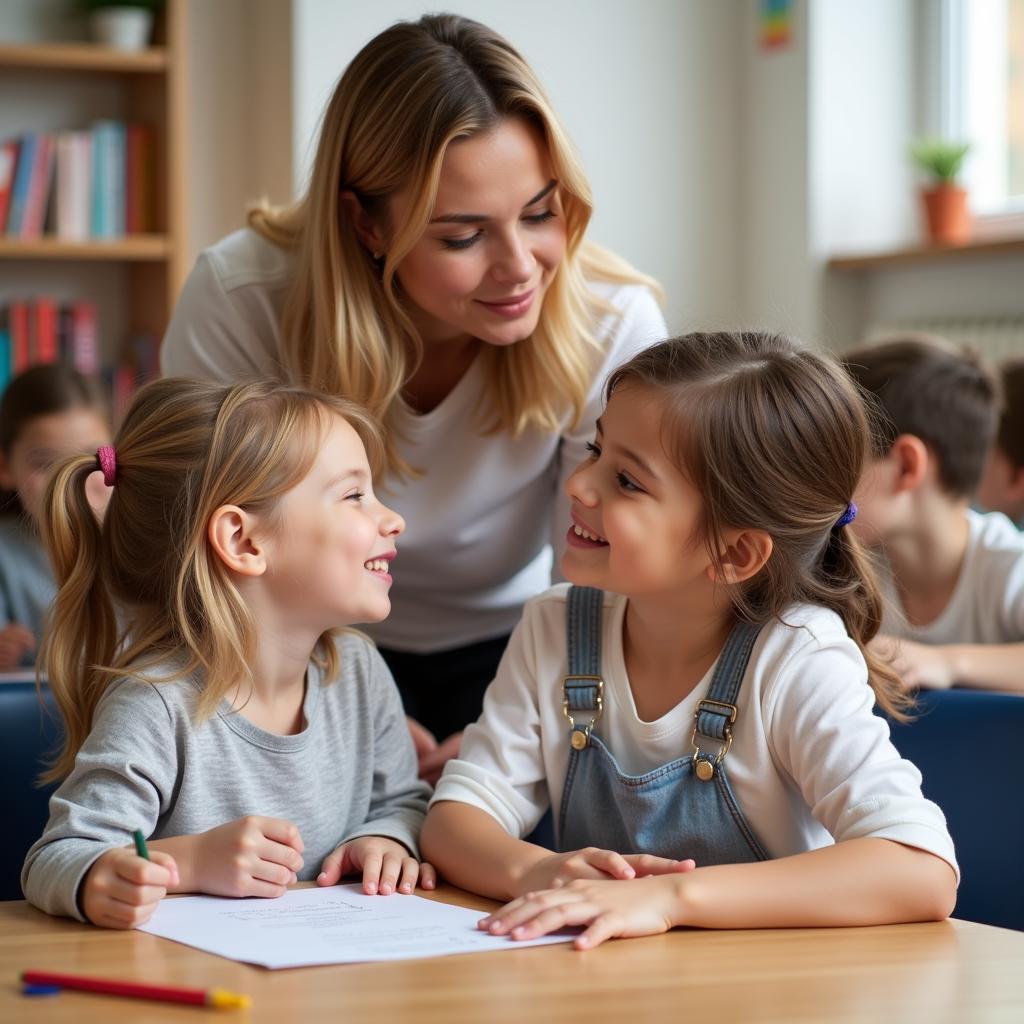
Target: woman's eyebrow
{"x": 476, "y": 218}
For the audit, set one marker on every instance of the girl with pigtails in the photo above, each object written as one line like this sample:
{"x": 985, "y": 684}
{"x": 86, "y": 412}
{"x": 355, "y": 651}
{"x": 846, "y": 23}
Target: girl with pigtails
{"x": 210, "y": 692}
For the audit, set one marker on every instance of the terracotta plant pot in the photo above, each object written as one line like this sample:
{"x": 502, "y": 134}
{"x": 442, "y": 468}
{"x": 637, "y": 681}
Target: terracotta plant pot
{"x": 949, "y": 220}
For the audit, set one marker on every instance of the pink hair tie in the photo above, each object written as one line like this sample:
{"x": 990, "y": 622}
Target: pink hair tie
{"x": 108, "y": 463}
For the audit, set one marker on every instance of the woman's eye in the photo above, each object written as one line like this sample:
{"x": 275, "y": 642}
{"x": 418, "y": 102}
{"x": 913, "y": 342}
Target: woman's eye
{"x": 592, "y": 450}
{"x": 460, "y": 243}
{"x": 540, "y": 218}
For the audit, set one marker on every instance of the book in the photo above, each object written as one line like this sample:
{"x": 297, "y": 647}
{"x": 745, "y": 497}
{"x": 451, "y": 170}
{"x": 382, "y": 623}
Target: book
{"x": 17, "y": 318}
{"x": 73, "y": 185}
{"x": 22, "y": 180}
{"x": 5, "y": 350}
{"x": 108, "y": 179}
{"x": 8, "y": 165}
{"x": 83, "y": 355}
{"x": 34, "y": 213}
{"x": 139, "y": 179}
{"x": 43, "y": 344}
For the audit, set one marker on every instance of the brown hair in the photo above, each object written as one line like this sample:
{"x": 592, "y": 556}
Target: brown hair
{"x": 411, "y": 92}
{"x": 922, "y": 385}
{"x": 1010, "y": 435}
{"x": 774, "y": 437}
{"x": 144, "y": 586}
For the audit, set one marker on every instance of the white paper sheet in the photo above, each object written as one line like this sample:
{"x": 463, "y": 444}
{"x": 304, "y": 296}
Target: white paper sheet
{"x": 337, "y": 925}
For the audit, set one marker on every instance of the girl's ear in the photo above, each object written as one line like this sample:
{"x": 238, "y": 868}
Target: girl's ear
{"x": 231, "y": 532}
{"x": 745, "y": 554}
{"x": 367, "y": 230}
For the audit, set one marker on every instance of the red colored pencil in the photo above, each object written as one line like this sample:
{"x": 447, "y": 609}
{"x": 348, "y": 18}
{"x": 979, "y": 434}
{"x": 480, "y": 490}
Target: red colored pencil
{"x": 139, "y": 990}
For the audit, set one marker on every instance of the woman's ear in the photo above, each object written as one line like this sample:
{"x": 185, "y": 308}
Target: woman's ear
{"x": 745, "y": 554}
{"x": 366, "y": 228}
{"x": 231, "y": 532}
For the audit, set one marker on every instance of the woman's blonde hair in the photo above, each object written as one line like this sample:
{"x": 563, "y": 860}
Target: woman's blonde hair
{"x": 774, "y": 437}
{"x": 406, "y": 96}
{"x": 144, "y": 587}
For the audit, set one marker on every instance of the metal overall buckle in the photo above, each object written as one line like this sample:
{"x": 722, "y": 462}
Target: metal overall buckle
{"x": 703, "y": 768}
{"x": 580, "y": 737}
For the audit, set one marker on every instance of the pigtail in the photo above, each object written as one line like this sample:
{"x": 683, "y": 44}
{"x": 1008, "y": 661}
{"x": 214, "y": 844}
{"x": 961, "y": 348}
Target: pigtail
{"x": 81, "y": 630}
{"x": 847, "y": 583}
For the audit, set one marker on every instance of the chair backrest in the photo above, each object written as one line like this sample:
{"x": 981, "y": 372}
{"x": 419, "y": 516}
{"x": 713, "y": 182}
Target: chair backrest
{"x": 969, "y": 746}
{"x": 28, "y": 733}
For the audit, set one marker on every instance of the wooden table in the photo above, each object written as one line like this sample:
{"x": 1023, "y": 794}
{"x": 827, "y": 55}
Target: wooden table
{"x": 949, "y": 972}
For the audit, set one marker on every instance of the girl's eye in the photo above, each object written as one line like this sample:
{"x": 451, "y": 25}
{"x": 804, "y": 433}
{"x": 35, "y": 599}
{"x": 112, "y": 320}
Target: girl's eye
{"x": 355, "y": 496}
{"x": 540, "y": 218}
{"x": 592, "y": 450}
{"x": 626, "y": 483}
{"x": 461, "y": 243}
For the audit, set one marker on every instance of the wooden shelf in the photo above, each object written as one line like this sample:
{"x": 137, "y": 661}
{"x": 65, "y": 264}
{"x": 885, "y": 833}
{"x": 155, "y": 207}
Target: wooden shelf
{"x": 81, "y": 57}
{"x": 928, "y": 254}
{"x": 133, "y": 248}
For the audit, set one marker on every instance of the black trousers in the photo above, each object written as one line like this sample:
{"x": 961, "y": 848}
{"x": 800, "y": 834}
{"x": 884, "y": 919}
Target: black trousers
{"x": 444, "y": 691}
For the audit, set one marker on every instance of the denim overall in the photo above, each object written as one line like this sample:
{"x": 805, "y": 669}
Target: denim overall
{"x": 685, "y": 808}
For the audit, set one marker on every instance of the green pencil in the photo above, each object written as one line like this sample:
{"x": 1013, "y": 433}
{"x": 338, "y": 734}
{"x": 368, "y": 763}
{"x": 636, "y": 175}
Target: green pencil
{"x": 140, "y": 844}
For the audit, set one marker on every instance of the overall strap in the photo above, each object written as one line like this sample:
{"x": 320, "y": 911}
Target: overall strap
{"x": 582, "y": 688}
{"x": 717, "y": 712}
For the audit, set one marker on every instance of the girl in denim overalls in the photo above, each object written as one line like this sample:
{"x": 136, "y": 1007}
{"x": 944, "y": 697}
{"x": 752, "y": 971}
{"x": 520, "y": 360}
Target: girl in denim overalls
{"x": 700, "y": 695}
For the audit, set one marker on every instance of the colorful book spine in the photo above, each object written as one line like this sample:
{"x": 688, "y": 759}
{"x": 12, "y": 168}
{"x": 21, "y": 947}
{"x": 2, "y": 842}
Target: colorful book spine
{"x": 21, "y": 358}
{"x": 43, "y": 345}
{"x": 34, "y": 214}
{"x": 5, "y": 350}
{"x": 22, "y": 181}
{"x": 84, "y": 349}
{"x": 139, "y": 179}
{"x": 8, "y": 166}
{"x": 108, "y": 191}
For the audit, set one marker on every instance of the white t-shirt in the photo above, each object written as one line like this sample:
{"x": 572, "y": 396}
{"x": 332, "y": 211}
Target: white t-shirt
{"x": 480, "y": 519}
{"x": 810, "y": 762}
{"x": 987, "y": 606}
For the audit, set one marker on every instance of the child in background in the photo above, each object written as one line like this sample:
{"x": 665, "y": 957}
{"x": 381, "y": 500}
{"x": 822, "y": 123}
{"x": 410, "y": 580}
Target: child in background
{"x": 703, "y": 691}
{"x": 1002, "y": 482}
{"x": 954, "y": 578}
{"x": 207, "y": 695}
{"x": 48, "y": 412}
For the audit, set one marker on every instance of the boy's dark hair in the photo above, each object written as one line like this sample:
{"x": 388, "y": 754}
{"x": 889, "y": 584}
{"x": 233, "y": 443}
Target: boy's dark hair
{"x": 922, "y": 385}
{"x": 41, "y": 391}
{"x": 1010, "y": 436}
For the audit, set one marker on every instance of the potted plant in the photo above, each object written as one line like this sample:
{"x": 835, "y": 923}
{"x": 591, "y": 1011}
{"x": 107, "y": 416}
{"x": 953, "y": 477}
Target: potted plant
{"x": 121, "y": 24}
{"x": 945, "y": 202}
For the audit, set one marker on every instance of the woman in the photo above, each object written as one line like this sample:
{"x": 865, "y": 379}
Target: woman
{"x": 436, "y": 271}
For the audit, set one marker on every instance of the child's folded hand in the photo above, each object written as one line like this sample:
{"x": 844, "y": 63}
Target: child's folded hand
{"x": 592, "y": 863}
{"x": 121, "y": 889}
{"x": 253, "y": 856}
{"x": 386, "y": 866}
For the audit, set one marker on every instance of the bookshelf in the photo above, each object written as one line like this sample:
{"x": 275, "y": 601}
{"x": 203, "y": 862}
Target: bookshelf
{"x": 54, "y": 86}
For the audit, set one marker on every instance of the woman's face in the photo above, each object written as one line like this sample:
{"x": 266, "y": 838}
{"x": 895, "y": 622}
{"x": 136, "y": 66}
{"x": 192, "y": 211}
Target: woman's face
{"x": 494, "y": 242}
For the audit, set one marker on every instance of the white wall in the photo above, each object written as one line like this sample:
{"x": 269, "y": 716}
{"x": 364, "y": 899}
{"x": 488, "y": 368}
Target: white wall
{"x": 648, "y": 92}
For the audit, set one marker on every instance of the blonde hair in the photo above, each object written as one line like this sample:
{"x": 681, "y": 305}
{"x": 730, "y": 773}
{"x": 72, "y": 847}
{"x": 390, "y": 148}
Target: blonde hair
{"x": 144, "y": 586}
{"x": 775, "y": 438}
{"x": 406, "y": 96}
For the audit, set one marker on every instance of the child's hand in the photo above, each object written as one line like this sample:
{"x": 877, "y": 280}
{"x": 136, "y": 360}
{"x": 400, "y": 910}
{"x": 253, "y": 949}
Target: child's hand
{"x": 624, "y": 909}
{"x": 253, "y": 856}
{"x": 15, "y": 640}
{"x": 432, "y": 763}
{"x": 385, "y": 863}
{"x": 918, "y": 665}
{"x": 121, "y": 889}
{"x": 592, "y": 863}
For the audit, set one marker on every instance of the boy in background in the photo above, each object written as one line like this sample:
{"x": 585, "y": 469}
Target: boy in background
{"x": 1002, "y": 483}
{"x": 954, "y": 578}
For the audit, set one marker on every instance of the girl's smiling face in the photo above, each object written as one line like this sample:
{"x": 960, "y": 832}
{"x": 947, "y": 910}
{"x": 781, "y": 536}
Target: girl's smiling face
{"x": 636, "y": 520}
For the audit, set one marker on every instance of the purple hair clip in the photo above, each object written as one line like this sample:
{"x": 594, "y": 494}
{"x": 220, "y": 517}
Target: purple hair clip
{"x": 107, "y": 460}
{"x": 848, "y": 516}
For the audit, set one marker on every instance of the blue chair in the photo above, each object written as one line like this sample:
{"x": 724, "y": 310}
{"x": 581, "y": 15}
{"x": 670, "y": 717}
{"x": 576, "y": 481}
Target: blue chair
{"x": 28, "y": 734}
{"x": 969, "y": 746}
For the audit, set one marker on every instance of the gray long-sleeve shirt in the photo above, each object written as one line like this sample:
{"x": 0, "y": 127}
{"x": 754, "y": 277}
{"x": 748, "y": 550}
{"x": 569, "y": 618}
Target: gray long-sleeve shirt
{"x": 146, "y": 764}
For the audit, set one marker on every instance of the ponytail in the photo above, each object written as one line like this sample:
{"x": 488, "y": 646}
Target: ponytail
{"x": 81, "y": 630}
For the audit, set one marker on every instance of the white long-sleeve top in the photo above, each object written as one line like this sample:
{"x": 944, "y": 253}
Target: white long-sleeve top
{"x": 810, "y": 762}
{"x": 482, "y": 519}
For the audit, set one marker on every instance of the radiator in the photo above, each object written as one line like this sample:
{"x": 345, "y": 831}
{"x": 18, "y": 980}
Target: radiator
{"x": 995, "y": 338}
